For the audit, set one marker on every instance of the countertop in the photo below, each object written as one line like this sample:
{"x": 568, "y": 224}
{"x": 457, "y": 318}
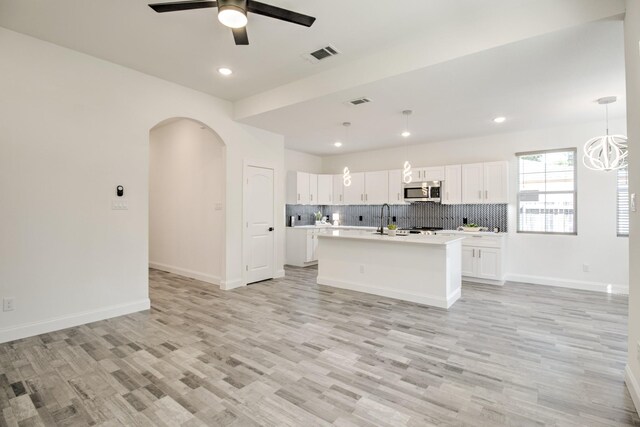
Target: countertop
{"x": 472, "y": 233}
{"x": 334, "y": 227}
{"x": 413, "y": 239}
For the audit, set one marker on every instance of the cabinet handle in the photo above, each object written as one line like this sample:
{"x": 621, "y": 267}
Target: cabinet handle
{"x": 298, "y": 196}
{"x": 474, "y": 254}
{"x": 479, "y": 253}
{"x": 486, "y": 194}
{"x": 366, "y": 197}
{"x": 311, "y": 195}
{"x": 341, "y": 197}
{"x": 362, "y": 197}
{"x": 447, "y": 196}
{"x": 398, "y": 196}
{"x": 480, "y": 194}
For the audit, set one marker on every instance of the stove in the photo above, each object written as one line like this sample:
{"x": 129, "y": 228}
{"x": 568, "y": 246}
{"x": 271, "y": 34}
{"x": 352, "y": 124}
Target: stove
{"x": 419, "y": 230}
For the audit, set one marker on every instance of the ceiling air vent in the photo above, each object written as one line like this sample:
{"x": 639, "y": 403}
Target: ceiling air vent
{"x": 359, "y": 101}
{"x": 320, "y": 54}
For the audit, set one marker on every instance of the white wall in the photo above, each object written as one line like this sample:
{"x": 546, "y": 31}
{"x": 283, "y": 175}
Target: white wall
{"x": 303, "y": 162}
{"x": 632, "y": 59}
{"x": 186, "y": 196}
{"x": 533, "y": 258}
{"x": 72, "y": 127}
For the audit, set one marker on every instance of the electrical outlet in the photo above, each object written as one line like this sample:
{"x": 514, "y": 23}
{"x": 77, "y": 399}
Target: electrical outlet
{"x": 119, "y": 205}
{"x": 362, "y": 269}
{"x": 8, "y": 304}
{"x": 585, "y": 268}
{"x": 638, "y": 350}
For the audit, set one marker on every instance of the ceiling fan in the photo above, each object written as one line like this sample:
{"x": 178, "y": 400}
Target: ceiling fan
{"x": 233, "y": 14}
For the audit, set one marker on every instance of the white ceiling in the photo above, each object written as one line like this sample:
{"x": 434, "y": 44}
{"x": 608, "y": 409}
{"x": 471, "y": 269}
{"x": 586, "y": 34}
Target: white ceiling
{"x": 543, "y": 81}
{"x": 187, "y": 47}
{"x": 419, "y": 56}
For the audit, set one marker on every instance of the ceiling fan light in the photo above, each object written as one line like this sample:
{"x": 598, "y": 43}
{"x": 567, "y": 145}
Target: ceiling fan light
{"x": 232, "y": 16}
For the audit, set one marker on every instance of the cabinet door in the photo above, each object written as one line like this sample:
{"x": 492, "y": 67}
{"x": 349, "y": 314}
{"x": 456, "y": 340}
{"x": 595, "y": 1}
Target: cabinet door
{"x": 496, "y": 179}
{"x": 354, "y": 194}
{"x": 473, "y": 183}
{"x": 452, "y": 186}
{"x": 310, "y": 247}
{"x": 433, "y": 174}
{"x": 376, "y": 185}
{"x": 303, "y": 188}
{"x": 314, "y": 257}
{"x": 468, "y": 261}
{"x": 488, "y": 261}
{"x": 338, "y": 188}
{"x": 396, "y": 196}
{"x": 313, "y": 189}
{"x": 325, "y": 189}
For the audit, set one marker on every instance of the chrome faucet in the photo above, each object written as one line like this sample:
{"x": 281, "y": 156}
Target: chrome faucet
{"x": 382, "y": 216}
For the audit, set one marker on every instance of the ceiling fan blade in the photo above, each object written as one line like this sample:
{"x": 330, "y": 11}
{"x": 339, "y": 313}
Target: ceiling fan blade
{"x": 182, "y": 5}
{"x": 279, "y": 13}
{"x": 240, "y": 36}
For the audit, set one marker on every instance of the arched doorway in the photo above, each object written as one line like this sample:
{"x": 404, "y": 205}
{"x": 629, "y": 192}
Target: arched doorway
{"x": 187, "y": 200}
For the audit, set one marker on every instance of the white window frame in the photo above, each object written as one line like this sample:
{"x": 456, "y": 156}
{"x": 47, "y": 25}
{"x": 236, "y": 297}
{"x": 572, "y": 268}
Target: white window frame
{"x": 622, "y": 201}
{"x": 575, "y": 192}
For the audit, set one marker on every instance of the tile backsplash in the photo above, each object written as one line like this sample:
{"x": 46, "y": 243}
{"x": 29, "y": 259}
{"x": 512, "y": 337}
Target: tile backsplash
{"x": 416, "y": 214}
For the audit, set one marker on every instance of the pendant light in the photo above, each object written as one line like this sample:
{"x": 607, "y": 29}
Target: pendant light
{"x": 346, "y": 173}
{"x": 406, "y": 167}
{"x": 608, "y": 152}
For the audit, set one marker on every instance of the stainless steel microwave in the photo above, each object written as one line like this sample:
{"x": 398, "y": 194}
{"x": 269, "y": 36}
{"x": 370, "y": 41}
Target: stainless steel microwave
{"x": 425, "y": 191}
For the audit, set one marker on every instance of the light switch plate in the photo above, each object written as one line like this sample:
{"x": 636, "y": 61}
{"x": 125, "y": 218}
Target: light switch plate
{"x": 8, "y": 304}
{"x": 119, "y": 205}
{"x": 633, "y": 202}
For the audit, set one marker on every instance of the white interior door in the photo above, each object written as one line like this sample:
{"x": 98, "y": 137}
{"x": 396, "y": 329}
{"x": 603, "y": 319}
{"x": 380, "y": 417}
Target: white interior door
{"x": 260, "y": 224}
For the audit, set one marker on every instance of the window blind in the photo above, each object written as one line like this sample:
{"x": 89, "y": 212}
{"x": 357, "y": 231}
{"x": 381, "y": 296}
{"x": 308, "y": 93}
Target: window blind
{"x": 622, "y": 207}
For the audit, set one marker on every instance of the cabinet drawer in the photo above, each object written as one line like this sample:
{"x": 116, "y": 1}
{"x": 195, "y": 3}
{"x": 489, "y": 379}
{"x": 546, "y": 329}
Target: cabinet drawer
{"x": 483, "y": 241}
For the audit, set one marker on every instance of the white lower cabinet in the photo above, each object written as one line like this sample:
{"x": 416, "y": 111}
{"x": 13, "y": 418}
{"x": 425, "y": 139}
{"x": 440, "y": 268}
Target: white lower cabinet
{"x": 302, "y": 246}
{"x": 483, "y": 257}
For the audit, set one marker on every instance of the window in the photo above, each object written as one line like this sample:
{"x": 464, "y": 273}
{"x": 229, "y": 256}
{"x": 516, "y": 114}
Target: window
{"x": 622, "y": 207}
{"x": 547, "y": 196}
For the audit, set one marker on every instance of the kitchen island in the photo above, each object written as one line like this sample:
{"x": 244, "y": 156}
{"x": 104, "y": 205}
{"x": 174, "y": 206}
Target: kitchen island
{"x": 419, "y": 268}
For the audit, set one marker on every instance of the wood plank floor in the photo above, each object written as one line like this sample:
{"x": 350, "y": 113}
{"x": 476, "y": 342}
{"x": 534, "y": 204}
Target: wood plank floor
{"x": 290, "y": 353}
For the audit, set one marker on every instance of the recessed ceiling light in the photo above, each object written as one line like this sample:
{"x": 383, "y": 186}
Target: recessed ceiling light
{"x": 500, "y": 119}
{"x": 337, "y": 144}
{"x": 225, "y": 71}
{"x": 406, "y": 134}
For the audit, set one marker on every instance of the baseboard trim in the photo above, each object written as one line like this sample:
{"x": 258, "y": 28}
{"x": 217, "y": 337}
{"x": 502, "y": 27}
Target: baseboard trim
{"x": 420, "y": 299}
{"x": 63, "y": 322}
{"x": 279, "y": 274}
{"x": 227, "y": 285}
{"x": 203, "y": 277}
{"x": 571, "y": 284}
{"x": 632, "y": 385}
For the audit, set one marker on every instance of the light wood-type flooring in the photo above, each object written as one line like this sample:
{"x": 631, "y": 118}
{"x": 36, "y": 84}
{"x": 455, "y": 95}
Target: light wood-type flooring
{"x": 288, "y": 352}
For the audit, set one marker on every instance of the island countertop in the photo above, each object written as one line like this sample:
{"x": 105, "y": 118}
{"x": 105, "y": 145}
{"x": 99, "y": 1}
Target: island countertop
{"x": 413, "y": 239}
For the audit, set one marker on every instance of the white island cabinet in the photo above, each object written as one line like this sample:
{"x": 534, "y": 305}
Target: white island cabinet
{"x": 483, "y": 255}
{"x": 417, "y": 268}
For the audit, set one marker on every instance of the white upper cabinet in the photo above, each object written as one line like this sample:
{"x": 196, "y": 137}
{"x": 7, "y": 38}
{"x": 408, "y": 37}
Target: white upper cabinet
{"x": 376, "y": 186}
{"x": 325, "y": 189}
{"x": 313, "y": 189}
{"x": 338, "y": 190}
{"x": 473, "y": 183}
{"x": 452, "y": 187}
{"x": 354, "y": 194}
{"x": 496, "y": 182}
{"x": 298, "y": 188}
{"x": 429, "y": 174}
{"x": 396, "y": 194}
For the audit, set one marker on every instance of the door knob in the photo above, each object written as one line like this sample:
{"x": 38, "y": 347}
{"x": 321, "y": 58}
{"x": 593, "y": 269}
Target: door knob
{"x": 270, "y": 228}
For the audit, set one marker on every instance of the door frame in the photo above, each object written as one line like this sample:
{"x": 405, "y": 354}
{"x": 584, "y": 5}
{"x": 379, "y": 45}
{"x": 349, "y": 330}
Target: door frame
{"x": 264, "y": 164}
